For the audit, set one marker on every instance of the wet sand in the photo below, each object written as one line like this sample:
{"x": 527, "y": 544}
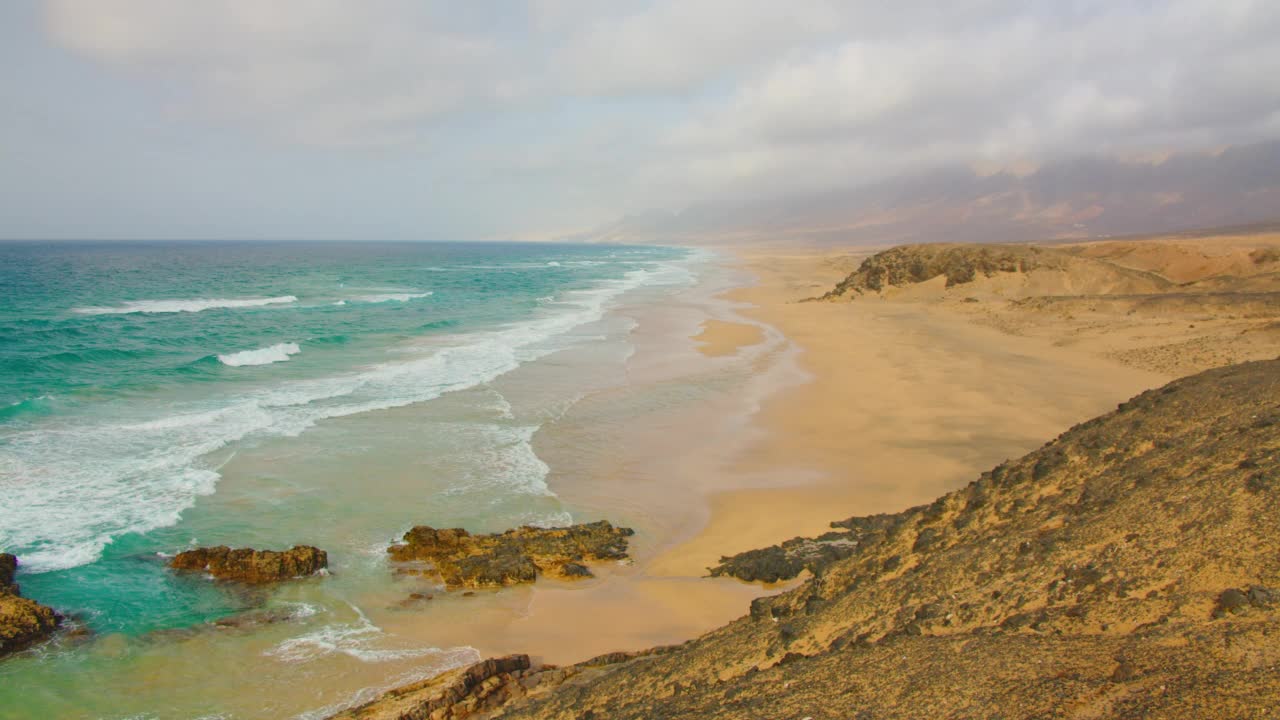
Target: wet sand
{"x": 719, "y": 338}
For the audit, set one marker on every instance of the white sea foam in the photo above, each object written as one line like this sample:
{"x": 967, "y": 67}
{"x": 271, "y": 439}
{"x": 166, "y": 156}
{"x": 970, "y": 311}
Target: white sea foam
{"x": 301, "y": 610}
{"x": 391, "y": 297}
{"x": 504, "y": 459}
{"x": 444, "y": 661}
{"x": 360, "y": 639}
{"x": 74, "y": 484}
{"x": 279, "y": 352}
{"x": 176, "y": 306}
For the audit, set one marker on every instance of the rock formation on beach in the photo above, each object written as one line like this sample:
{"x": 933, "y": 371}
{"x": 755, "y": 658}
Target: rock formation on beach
{"x": 252, "y": 566}
{"x": 515, "y": 556}
{"x": 23, "y": 622}
{"x": 460, "y": 693}
{"x": 1128, "y": 568}
{"x": 788, "y": 559}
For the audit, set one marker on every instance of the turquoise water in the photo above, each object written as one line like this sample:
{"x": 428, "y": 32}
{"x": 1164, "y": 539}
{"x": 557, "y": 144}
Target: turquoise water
{"x": 138, "y": 380}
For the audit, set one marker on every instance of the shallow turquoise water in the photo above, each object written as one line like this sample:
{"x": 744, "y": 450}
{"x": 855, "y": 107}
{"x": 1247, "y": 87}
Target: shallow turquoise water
{"x": 157, "y": 394}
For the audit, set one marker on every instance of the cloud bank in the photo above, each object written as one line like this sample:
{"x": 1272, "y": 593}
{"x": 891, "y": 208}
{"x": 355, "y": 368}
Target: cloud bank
{"x": 599, "y": 108}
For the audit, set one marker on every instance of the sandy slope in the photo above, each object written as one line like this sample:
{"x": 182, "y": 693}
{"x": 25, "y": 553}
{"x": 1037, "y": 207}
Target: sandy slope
{"x": 907, "y": 400}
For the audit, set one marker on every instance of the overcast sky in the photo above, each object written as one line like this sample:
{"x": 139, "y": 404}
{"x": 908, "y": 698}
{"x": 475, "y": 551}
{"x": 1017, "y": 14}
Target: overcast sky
{"x": 417, "y": 119}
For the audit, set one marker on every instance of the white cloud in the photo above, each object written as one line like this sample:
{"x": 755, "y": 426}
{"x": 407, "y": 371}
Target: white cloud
{"x": 319, "y": 70}
{"x": 686, "y": 99}
{"x": 1023, "y": 85}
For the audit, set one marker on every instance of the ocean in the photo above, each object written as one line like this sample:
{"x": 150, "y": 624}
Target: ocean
{"x": 155, "y": 396}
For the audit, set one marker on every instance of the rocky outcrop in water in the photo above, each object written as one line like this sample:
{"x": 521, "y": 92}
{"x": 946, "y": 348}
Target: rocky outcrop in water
{"x": 513, "y": 557}
{"x": 1130, "y": 568}
{"x": 23, "y": 622}
{"x": 8, "y": 568}
{"x": 253, "y": 566}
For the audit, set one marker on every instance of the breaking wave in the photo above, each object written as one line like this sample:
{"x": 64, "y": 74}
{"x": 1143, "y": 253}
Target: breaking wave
{"x": 279, "y": 352}
{"x": 177, "y": 306}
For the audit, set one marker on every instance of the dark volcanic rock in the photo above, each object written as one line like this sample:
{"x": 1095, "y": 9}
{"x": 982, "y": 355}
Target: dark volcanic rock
{"x": 1236, "y": 601}
{"x": 253, "y": 566}
{"x": 513, "y": 557}
{"x": 23, "y": 622}
{"x": 8, "y": 568}
{"x": 788, "y": 560}
{"x": 477, "y": 688}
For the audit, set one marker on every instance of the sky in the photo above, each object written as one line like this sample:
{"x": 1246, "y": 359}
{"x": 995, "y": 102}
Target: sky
{"x": 537, "y": 119}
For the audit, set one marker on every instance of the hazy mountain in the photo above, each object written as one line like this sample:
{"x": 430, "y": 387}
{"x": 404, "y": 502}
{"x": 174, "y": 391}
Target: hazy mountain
{"x": 1081, "y": 197}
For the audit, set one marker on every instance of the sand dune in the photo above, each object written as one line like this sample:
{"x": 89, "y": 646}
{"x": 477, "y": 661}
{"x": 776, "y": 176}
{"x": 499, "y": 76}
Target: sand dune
{"x": 1171, "y": 304}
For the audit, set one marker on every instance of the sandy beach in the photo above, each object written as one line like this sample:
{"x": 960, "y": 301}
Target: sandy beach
{"x": 874, "y": 407}
{"x": 904, "y": 403}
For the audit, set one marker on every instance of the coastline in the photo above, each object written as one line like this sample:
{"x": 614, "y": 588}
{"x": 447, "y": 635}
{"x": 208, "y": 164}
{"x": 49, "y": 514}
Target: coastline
{"x": 934, "y": 400}
{"x": 894, "y": 400}
{"x": 740, "y": 418}
{"x": 903, "y": 403}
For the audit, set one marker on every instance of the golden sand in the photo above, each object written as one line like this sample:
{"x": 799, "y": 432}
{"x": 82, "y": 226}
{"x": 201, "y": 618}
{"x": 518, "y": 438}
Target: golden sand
{"x": 906, "y": 402}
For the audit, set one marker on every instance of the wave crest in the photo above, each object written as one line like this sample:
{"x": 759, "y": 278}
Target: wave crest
{"x": 177, "y": 306}
{"x": 279, "y": 352}
{"x": 391, "y": 297}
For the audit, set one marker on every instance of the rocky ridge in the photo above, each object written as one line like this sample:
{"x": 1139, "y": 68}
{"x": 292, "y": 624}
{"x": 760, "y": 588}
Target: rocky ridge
{"x": 1147, "y": 268}
{"x": 960, "y": 264}
{"x": 23, "y": 622}
{"x": 253, "y": 566}
{"x": 1128, "y": 568}
{"x": 513, "y": 557}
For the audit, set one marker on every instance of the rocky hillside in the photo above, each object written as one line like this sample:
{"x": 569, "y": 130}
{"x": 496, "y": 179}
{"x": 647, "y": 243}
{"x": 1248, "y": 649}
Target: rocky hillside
{"x": 1040, "y": 270}
{"x": 1077, "y": 197}
{"x": 1128, "y": 568}
{"x": 959, "y": 264}
{"x": 1180, "y": 263}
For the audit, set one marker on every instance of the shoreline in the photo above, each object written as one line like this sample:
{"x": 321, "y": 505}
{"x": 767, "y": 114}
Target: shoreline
{"x": 882, "y": 439}
{"x": 740, "y": 419}
{"x": 657, "y": 473}
{"x": 822, "y": 445}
